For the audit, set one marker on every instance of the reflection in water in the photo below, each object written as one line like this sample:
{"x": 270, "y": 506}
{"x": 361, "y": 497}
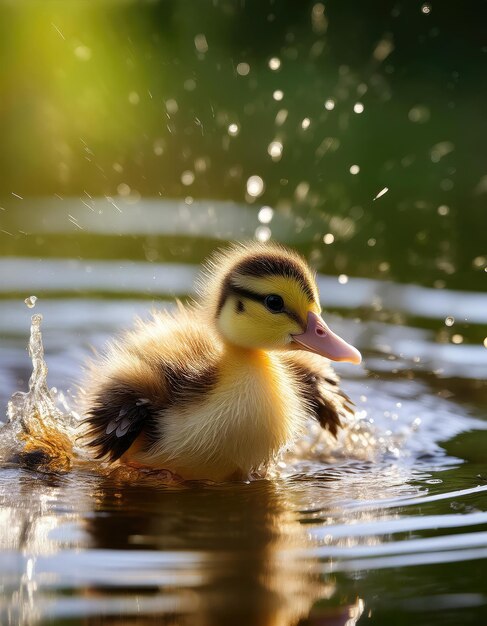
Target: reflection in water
{"x": 81, "y": 546}
{"x": 242, "y": 569}
{"x": 148, "y": 551}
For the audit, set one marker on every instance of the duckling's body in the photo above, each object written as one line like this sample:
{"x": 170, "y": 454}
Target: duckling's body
{"x": 177, "y": 394}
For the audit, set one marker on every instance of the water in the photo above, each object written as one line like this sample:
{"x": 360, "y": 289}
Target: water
{"x": 37, "y": 432}
{"x": 388, "y": 525}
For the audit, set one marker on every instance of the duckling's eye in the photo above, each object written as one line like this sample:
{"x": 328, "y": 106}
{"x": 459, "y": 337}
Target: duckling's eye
{"x": 274, "y": 303}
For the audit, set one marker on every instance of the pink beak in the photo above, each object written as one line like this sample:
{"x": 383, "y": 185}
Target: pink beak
{"x": 320, "y": 339}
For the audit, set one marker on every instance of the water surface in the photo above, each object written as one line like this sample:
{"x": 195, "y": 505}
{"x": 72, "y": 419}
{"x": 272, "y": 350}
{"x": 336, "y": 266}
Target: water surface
{"x": 388, "y": 525}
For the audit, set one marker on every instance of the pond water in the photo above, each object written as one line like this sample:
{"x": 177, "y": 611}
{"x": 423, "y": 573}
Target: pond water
{"x": 388, "y": 532}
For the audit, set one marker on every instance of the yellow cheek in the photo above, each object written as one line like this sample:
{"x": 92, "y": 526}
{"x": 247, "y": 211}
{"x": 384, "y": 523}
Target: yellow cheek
{"x": 256, "y": 327}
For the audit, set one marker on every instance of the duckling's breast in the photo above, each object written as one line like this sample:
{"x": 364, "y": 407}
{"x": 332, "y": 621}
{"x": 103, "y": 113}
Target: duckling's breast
{"x": 250, "y": 414}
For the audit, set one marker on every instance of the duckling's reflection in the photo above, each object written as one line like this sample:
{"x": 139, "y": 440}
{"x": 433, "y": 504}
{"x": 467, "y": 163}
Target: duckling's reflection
{"x": 144, "y": 554}
{"x": 212, "y": 555}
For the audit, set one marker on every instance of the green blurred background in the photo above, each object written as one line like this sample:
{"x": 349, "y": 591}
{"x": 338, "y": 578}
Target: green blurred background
{"x": 328, "y": 103}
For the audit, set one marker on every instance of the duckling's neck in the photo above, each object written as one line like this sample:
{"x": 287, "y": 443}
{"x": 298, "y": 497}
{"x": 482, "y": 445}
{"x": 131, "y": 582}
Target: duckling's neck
{"x": 262, "y": 395}
{"x": 251, "y": 357}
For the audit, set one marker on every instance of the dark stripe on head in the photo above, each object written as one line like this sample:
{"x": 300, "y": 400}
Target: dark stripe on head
{"x": 272, "y": 265}
{"x": 229, "y": 288}
{"x": 256, "y": 297}
{"x": 264, "y": 265}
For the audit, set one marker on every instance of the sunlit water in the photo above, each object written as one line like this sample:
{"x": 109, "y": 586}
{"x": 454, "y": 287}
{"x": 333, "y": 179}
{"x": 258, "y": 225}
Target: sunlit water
{"x": 387, "y": 525}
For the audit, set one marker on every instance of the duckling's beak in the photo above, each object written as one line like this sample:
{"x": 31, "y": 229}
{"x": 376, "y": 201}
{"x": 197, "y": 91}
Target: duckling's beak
{"x": 320, "y": 339}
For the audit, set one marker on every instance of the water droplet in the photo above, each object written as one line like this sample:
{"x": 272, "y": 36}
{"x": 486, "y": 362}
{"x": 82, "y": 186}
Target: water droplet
{"x": 305, "y": 124}
{"x": 301, "y": 191}
{"x": 255, "y": 186}
{"x": 83, "y": 53}
{"x": 31, "y": 301}
{"x": 330, "y": 104}
{"x": 263, "y": 233}
{"x": 443, "y": 210}
{"x": 426, "y": 8}
{"x": 200, "y": 43}
{"x": 172, "y": 106}
{"x": 187, "y": 178}
{"x": 457, "y": 339}
{"x": 190, "y": 84}
{"x": 265, "y": 215}
{"x": 274, "y": 149}
{"x": 134, "y": 98}
{"x": 446, "y": 184}
{"x": 29, "y": 568}
{"x": 419, "y": 114}
{"x": 485, "y": 342}
{"x": 233, "y": 129}
{"x": 329, "y": 238}
{"x": 358, "y": 107}
{"x": 281, "y": 117}
{"x": 278, "y": 95}
{"x": 200, "y": 164}
{"x": 449, "y": 321}
{"x": 274, "y": 63}
{"x": 123, "y": 190}
{"x": 383, "y": 49}
{"x": 158, "y": 149}
{"x": 354, "y": 169}
{"x": 318, "y": 18}
{"x": 243, "y": 69}
{"x": 440, "y": 150}
{"x": 343, "y": 279}
{"x": 381, "y": 193}
{"x": 371, "y": 242}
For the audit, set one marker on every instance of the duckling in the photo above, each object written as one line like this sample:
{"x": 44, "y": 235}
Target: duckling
{"x": 217, "y": 389}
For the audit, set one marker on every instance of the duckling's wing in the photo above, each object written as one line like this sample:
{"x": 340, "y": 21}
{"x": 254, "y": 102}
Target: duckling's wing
{"x": 167, "y": 361}
{"x": 318, "y": 386}
{"x": 116, "y": 417}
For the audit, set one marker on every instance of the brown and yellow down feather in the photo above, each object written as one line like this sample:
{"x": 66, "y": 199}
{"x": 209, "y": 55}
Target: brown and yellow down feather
{"x": 174, "y": 392}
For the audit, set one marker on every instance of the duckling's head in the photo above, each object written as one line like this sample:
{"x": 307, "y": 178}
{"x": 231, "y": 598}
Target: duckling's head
{"x": 263, "y": 296}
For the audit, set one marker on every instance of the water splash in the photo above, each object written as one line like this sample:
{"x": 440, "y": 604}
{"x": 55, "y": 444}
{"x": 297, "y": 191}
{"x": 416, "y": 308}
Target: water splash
{"x": 31, "y": 301}
{"x": 381, "y": 193}
{"x": 38, "y": 433}
{"x": 42, "y": 428}
{"x": 358, "y": 441}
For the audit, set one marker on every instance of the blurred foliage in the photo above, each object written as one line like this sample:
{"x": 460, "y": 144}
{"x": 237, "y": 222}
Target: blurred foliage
{"x": 138, "y": 98}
